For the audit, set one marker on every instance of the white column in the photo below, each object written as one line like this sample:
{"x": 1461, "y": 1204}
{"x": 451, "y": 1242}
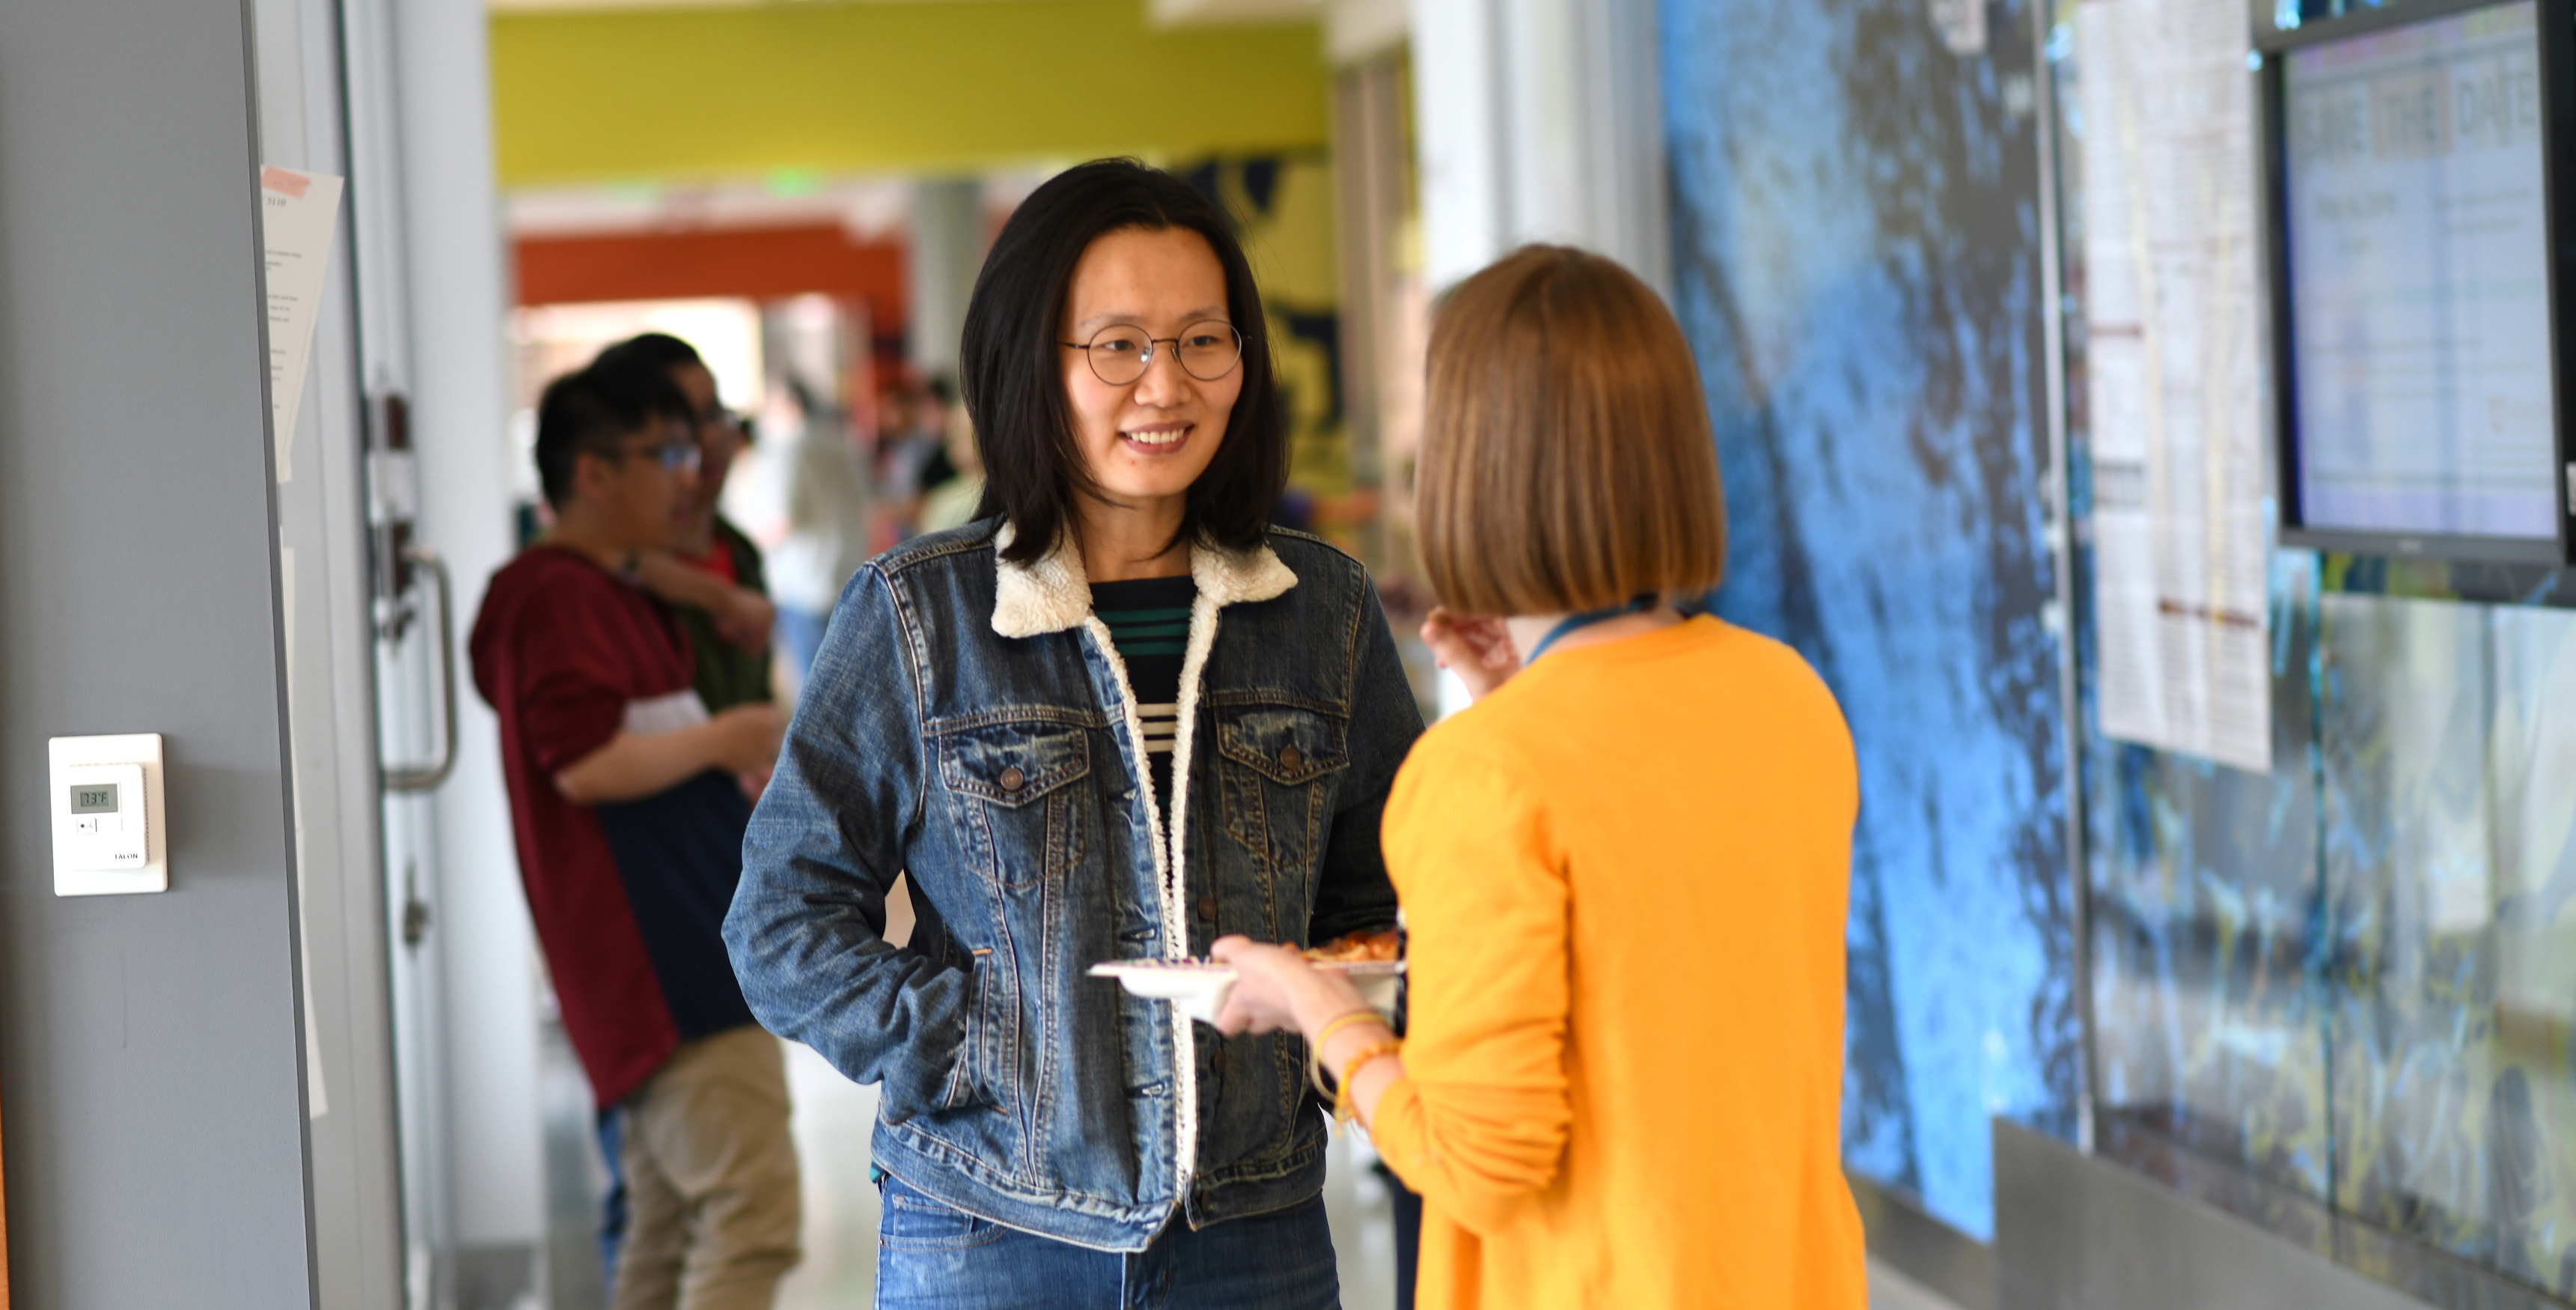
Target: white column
{"x": 455, "y": 292}
{"x": 1540, "y": 120}
{"x": 945, "y": 253}
{"x": 1461, "y": 155}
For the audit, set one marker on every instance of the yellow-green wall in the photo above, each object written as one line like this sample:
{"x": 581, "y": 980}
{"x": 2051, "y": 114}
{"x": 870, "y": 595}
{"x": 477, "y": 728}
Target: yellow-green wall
{"x": 673, "y": 94}
{"x": 1293, "y": 258}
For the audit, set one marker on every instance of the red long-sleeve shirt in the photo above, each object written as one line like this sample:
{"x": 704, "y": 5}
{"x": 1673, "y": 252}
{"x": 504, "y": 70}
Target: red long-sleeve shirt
{"x": 560, "y": 648}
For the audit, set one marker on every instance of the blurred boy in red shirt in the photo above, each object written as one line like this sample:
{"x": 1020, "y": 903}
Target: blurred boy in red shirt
{"x": 629, "y": 805}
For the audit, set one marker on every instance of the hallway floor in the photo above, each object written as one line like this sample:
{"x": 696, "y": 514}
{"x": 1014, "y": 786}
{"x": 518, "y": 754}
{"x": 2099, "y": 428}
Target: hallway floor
{"x": 834, "y": 1116}
{"x": 833, "y": 1119}
{"x": 1890, "y": 1290}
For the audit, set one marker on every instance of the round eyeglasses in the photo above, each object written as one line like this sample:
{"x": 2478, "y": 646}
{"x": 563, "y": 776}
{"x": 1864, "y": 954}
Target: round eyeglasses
{"x": 679, "y": 455}
{"x": 1120, "y": 353}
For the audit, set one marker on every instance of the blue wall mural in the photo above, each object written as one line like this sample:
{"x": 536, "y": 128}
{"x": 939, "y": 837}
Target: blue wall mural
{"x": 1858, "y": 266}
{"x": 2350, "y": 982}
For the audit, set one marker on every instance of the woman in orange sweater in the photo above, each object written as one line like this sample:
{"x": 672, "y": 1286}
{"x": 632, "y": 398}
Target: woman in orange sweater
{"x": 1623, "y": 870}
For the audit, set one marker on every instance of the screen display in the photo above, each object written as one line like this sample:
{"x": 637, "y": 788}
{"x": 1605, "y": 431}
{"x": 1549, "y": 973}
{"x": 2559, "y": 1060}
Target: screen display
{"x": 94, "y": 798}
{"x": 2419, "y": 279}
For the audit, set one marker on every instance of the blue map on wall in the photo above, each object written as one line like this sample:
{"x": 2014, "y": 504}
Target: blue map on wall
{"x": 1857, "y": 262}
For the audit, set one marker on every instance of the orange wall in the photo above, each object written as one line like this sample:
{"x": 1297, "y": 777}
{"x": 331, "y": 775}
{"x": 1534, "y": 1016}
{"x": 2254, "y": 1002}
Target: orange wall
{"x": 759, "y": 263}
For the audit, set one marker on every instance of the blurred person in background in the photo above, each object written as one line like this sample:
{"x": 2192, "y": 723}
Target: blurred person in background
{"x": 712, "y": 576}
{"x": 912, "y": 456}
{"x": 1599, "y": 1108}
{"x": 829, "y": 513}
{"x": 1116, "y": 717}
{"x": 952, "y": 503}
{"x": 629, "y": 800}
{"x": 937, "y": 407}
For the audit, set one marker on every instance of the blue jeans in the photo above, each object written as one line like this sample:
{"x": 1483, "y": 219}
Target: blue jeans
{"x": 612, "y": 1203}
{"x": 930, "y": 1257}
{"x": 800, "y": 634}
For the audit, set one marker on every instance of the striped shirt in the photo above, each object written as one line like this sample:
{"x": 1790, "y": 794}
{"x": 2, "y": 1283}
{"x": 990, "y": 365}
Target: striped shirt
{"x": 1149, "y": 622}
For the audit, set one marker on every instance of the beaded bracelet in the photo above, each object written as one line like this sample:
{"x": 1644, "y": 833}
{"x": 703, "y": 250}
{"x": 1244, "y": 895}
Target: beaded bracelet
{"x": 1315, "y": 1048}
{"x": 1343, "y": 1110}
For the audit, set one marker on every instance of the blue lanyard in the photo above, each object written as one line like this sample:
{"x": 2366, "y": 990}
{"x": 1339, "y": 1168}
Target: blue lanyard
{"x": 1637, "y": 604}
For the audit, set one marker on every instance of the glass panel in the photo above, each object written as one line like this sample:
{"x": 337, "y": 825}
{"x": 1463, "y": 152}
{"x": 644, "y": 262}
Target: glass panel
{"x": 2410, "y": 897}
{"x": 2532, "y": 758}
{"x": 2204, "y": 901}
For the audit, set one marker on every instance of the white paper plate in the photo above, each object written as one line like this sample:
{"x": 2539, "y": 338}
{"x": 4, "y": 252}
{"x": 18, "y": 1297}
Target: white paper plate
{"x": 1200, "y": 987}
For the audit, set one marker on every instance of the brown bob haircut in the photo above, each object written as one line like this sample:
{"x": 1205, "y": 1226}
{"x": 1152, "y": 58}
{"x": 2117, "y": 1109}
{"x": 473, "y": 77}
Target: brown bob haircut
{"x": 1567, "y": 462}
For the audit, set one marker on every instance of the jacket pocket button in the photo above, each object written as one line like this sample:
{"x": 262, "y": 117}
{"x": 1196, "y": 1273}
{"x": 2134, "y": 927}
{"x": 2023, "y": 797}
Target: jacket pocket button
{"x": 1013, "y": 779}
{"x": 1291, "y": 758}
{"x": 1207, "y": 907}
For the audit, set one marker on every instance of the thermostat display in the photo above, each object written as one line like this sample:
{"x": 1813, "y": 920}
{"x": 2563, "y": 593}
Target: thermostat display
{"x": 107, "y": 815}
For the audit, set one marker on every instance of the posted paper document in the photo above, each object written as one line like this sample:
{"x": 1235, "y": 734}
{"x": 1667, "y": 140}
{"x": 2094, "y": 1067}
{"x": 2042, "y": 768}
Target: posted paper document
{"x": 2175, "y": 354}
{"x": 298, "y": 212}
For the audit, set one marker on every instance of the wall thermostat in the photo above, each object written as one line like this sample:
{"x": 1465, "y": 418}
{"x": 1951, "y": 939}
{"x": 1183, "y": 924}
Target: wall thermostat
{"x": 106, "y": 803}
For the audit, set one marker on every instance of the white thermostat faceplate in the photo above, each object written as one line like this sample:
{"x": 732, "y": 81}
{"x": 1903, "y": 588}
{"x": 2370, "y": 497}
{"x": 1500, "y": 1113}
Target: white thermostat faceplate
{"x": 105, "y": 800}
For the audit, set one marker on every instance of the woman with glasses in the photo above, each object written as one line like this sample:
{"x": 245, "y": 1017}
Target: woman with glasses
{"x": 1117, "y": 717}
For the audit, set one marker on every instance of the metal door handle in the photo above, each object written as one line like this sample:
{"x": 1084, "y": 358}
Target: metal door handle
{"x": 427, "y": 777}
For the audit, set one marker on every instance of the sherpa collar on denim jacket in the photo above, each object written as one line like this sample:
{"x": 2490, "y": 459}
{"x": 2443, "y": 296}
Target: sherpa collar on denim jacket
{"x": 1054, "y": 595}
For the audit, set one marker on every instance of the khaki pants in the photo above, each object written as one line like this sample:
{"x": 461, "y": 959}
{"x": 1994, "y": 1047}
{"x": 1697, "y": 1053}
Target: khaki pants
{"x": 713, "y": 1211}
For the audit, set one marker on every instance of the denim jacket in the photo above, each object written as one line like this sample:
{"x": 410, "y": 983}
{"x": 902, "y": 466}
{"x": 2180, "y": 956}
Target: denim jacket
{"x": 969, "y": 721}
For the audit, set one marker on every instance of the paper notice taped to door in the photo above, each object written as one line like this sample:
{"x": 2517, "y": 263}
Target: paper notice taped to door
{"x": 298, "y": 212}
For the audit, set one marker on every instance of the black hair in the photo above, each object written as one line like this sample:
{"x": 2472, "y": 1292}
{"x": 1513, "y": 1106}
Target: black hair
{"x": 650, "y": 350}
{"x": 1011, "y": 369}
{"x": 594, "y": 409}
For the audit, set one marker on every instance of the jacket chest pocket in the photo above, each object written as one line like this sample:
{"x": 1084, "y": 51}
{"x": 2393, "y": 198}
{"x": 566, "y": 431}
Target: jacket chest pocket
{"x": 1013, "y": 790}
{"x": 1277, "y": 768}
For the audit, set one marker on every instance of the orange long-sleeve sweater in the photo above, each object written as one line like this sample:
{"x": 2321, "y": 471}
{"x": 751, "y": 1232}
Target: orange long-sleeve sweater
{"x": 1624, "y": 875}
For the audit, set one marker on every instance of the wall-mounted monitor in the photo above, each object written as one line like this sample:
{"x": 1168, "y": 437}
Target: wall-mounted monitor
{"x": 2413, "y": 159}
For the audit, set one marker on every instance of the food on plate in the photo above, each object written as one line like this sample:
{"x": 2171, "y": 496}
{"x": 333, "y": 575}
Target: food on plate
{"x": 1357, "y": 948}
